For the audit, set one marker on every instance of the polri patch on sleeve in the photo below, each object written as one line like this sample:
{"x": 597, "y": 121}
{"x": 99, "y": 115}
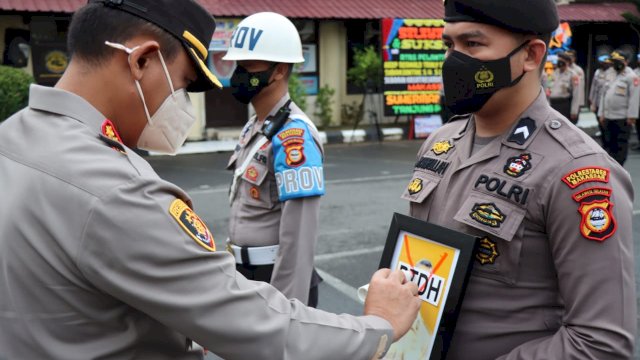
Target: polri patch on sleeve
{"x": 597, "y": 222}
{"x": 192, "y": 224}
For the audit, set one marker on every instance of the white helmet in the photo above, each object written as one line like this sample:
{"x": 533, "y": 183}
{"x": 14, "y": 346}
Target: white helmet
{"x": 266, "y": 36}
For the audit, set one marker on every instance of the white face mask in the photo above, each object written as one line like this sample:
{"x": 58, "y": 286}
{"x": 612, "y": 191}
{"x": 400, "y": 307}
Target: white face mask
{"x": 168, "y": 128}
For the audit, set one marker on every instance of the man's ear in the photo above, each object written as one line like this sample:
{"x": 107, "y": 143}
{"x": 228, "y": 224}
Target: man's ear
{"x": 139, "y": 59}
{"x": 536, "y": 51}
{"x": 281, "y": 71}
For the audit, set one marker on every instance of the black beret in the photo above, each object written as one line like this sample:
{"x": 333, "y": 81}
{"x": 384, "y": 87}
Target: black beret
{"x": 520, "y": 16}
{"x": 189, "y": 22}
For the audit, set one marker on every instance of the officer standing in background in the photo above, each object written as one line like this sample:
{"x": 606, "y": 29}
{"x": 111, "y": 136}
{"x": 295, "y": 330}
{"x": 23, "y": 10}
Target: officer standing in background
{"x": 580, "y": 71}
{"x": 102, "y": 259}
{"x": 619, "y": 107}
{"x": 564, "y": 91}
{"x": 278, "y": 178}
{"x": 554, "y": 274}
{"x": 600, "y": 78}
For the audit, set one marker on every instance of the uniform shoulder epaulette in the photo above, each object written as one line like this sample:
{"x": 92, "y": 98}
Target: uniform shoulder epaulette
{"x": 110, "y": 135}
{"x": 575, "y": 141}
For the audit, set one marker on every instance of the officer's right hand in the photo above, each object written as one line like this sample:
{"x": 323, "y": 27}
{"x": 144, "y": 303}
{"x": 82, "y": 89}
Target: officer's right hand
{"x": 394, "y": 299}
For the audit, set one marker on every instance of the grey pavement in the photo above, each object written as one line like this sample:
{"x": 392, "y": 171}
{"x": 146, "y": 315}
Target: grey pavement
{"x": 364, "y": 183}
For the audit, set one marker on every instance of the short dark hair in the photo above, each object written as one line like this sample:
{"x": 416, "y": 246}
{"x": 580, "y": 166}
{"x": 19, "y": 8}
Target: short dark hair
{"x": 546, "y": 38}
{"x": 94, "y": 24}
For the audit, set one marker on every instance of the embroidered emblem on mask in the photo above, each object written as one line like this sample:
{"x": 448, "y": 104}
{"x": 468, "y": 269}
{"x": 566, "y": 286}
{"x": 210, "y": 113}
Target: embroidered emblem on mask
{"x": 487, "y": 251}
{"x": 516, "y": 166}
{"x": 442, "y": 147}
{"x": 487, "y": 214}
{"x": 415, "y": 186}
{"x": 484, "y": 79}
{"x": 191, "y": 224}
{"x": 588, "y": 174}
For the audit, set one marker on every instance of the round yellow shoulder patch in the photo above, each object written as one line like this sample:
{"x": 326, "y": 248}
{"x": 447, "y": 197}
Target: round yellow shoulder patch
{"x": 192, "y": 224}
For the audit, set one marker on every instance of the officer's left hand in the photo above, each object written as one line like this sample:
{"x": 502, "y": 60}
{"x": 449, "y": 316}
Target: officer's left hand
{"x": 601, "y": 120}
{"x": 574, "y": 117}
{"x": 631, "y": 121}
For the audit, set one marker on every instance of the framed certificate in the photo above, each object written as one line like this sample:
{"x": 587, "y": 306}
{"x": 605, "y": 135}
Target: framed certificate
{"x": 439, "y": 260}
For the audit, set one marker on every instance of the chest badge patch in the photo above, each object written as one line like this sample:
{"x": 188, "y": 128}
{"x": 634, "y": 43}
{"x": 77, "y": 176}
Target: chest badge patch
{"x": 252, "y": 173}
{"x": 192, "y": 224}
{"x": 488, "y": 214}
{"x": 442, "y": 147}
{"x": 487, "y": 251}
{"x": 415, "y": 186}
{"x": 597, "y": 220}
{"x": 516, "y": 166}
{"x": 254, "y": 192}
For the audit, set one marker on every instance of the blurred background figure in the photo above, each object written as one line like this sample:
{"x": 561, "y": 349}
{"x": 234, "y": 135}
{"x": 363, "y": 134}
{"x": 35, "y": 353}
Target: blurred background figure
{"x": 619, "y": 106}
{"x": 580, "y": 72}
{"x": 564, "y": 88}
{"x": 600, "y": 77}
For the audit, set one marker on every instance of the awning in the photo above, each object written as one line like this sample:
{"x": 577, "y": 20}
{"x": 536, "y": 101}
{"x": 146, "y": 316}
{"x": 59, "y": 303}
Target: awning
{"x": 341, "y": 9}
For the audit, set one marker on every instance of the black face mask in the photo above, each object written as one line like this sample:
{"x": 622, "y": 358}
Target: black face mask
{"x": 246, "y": 85}
{"x": 469, "y": 83}
{"x": 619, "y": 66}
{"x": 562, "y": 64}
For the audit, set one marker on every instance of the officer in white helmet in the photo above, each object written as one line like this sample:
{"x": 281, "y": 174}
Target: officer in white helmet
{"x": 278, "y": 173}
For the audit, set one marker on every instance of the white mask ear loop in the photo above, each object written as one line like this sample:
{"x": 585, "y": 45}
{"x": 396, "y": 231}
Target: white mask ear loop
{"x": 166, "y": 73}
{"x": 129, "y": 51}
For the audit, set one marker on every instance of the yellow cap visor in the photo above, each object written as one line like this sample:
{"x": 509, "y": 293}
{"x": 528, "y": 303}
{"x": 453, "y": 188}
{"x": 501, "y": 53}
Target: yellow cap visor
{"x": 205, "y": 70}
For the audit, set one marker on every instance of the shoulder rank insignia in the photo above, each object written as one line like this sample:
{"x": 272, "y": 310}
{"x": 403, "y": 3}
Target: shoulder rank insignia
{"x": 487, "y": 251}
{"x": 523, "y": 131}
{"x": 516, "y": 166}
{"x": 487, "y": 214}
{"x": 191, "y": 224}
{"x": 442, "y": 147}
{"x": 109, "y": 131}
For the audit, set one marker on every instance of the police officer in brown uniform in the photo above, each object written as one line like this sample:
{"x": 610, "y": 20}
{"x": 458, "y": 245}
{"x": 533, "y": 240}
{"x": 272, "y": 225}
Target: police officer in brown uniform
{"x": 102, "y": 259}
{"x": 619, "y": 107}
{"x": 277, "y": 164}
{"x": 580, "y": 71}
{"x": 553, "y": 277}
{"x": 564, "y": 91}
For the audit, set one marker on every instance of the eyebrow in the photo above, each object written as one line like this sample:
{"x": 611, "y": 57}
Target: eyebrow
{"x": 466, "y": 36}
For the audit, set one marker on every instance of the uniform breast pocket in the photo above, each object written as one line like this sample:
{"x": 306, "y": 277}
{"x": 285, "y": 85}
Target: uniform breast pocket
{"x": 257, "y": 188}
{"x": 420, "y": 186}
{"x": 621, "y": 90}
{"x": 501, "y": 225}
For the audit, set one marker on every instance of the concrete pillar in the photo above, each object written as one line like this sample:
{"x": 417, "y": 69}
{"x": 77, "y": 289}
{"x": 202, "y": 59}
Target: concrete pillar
{"x": 197, "y": 130}
{"x": 333, "y": 61}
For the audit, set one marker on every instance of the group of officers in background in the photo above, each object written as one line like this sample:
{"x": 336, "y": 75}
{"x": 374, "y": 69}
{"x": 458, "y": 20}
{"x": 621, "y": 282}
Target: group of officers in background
{"x": 614, "y": 96}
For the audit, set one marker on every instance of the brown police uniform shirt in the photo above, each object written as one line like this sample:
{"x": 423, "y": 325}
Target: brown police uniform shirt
{"x": 621, "y": 96}
{"x": 554, "y": 274}
{"x": 259, "y": 218}
{"x": 102, "y": 259}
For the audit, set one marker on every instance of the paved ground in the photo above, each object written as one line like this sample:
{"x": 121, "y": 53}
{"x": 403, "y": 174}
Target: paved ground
{"x": 364, "y": 182}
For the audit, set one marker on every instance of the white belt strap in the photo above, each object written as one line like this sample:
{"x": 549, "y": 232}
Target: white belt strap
{"x": 239, "y": 171}
{"x": 258, "y": 255}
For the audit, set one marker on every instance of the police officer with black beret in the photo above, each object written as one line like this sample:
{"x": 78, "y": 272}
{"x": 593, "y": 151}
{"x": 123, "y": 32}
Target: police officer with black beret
{"x": 553, "y": 276}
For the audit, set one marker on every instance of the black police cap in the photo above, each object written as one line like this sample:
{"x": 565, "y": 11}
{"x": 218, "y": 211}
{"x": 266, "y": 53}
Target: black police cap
{"x": 187, "y": 21}
{"x": 520, "y": 16}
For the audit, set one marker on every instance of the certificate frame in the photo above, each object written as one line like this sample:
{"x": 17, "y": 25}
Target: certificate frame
{"x": 449, "y": 274}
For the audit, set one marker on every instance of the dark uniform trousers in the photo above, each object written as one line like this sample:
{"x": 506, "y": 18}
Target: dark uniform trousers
{"x": 616, "y": 138}
{"x": 263, "y": 273}
{"x": 563, "y": 106}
